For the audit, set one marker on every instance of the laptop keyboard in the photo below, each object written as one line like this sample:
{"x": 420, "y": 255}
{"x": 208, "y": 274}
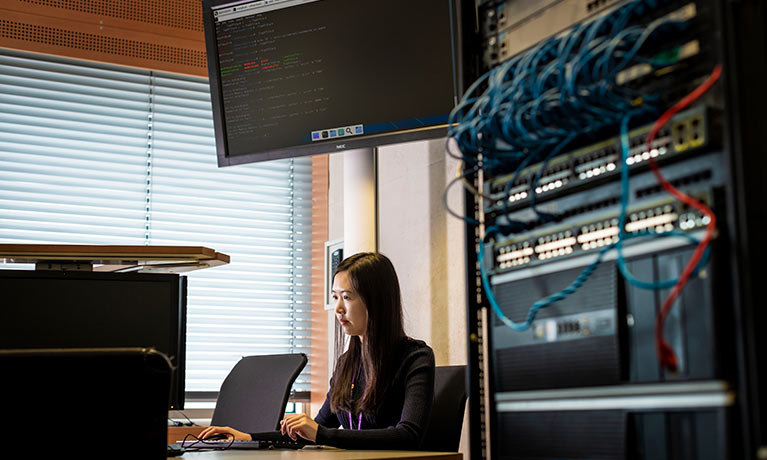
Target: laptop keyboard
{"x": 223, "y": 444}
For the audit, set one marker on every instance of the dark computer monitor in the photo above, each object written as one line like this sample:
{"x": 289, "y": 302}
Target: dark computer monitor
{"x": 300, "y": 77}
{"x": 72, "y": 389}
{"x": 45, "y": 309}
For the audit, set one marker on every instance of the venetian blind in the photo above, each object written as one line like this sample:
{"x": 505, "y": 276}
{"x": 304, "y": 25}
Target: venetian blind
{"x": 99, "y": 154}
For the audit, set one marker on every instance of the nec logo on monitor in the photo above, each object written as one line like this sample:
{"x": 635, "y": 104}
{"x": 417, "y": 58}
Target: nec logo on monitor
{"x": 340, "y": 146}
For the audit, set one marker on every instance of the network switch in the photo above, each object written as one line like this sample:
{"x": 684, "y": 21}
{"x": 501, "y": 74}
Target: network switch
{"x": 510, "y": 27}
{"x": 693, "y": 131}
{"x": 592, "y": 223}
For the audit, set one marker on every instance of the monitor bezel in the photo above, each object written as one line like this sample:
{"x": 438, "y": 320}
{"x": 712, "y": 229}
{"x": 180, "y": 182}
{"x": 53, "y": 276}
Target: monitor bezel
{"x": 463, "y": 11}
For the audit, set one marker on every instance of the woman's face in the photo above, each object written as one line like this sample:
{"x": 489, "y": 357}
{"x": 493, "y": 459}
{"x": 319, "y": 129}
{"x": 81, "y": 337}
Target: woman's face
{"x": 350, "y": 310}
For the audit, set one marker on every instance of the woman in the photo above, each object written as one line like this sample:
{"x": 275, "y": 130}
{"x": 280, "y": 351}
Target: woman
{"x": 382, "y": 388}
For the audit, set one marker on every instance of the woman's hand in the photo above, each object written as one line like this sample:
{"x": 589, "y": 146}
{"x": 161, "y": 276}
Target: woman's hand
{"x": 230, "y": 433}
{"x": 299, "y": 425}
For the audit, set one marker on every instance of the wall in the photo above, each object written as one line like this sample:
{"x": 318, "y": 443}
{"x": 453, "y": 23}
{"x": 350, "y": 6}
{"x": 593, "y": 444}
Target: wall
{"x": 425, "y": 244}
{"x": 320, "y": 324}
{"x": 423, "y": 241}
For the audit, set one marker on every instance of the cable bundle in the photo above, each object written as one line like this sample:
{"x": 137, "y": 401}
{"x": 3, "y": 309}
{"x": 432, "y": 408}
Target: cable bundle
{"x": 666, "y": 355}
{"x": 530, "y": 108}
{"x": 524, "y": 110}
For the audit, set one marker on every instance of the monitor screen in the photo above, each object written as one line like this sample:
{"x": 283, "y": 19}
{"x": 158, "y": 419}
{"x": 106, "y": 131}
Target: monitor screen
{"x": 300, "y": 77}
{"x": 58, "y": 309}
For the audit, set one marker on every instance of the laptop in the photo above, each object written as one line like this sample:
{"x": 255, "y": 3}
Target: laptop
{"x": 265, "y": 440}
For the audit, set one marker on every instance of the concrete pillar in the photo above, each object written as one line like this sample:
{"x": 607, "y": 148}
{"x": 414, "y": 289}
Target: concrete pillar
{"x": 360, "y": 211}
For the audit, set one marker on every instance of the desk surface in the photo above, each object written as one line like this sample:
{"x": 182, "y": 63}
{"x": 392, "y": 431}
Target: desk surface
{"x": 178, "y": 434}
{"x": 321, "y": 454}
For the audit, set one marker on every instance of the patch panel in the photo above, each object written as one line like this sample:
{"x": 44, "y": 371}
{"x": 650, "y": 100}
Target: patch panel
{"x": 596, "y": 162}
{"x": 686, "y": 133}
{"x": 555, "y": 245}
{"x": 598, "y": 234}
{"x": 518, "y": 191}
{"x": 693, "y": 220}
{"x": 556, "y": 176}
{"x": 514, "y": 254}
{"x": 594, "y": 234}
{"x": 661, "y": 145}
{"x": 659, "y": 219}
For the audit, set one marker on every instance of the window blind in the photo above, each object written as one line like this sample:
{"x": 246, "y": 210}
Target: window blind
{"x": 100, "y": 154}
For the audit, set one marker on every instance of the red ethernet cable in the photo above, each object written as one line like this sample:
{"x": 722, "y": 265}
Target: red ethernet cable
{"x": 666, "y": 356}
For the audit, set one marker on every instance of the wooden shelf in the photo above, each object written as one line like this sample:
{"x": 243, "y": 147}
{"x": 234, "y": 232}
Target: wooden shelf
{"x": 164, "y": 259}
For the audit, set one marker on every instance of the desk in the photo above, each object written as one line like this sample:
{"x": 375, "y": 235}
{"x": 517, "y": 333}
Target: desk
{"x": 321, "y": 454}
{"x": 177, "y": 433}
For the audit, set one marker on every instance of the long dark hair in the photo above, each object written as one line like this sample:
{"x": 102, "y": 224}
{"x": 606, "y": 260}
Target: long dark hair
{"x": 373, "y": 278}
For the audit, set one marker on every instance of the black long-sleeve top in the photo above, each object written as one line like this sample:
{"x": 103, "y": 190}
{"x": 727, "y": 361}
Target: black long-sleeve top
{"x": 404, "y": 414}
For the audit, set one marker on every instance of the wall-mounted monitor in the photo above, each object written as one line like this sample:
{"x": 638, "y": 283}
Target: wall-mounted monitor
{"x": 301, "y": 77}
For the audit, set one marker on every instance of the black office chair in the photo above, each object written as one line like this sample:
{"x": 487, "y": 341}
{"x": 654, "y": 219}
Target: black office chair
{"x": 253, "y": 396}
{"x": 444, "y": 431}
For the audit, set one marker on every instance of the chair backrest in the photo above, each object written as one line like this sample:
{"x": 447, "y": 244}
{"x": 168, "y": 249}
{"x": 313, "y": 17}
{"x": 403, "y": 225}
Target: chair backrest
{"x": 253, "y": 396}
{"x": 444, "y": 431}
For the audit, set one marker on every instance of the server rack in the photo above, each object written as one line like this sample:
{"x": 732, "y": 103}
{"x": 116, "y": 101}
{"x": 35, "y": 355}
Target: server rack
{"x": 602, "y": 394}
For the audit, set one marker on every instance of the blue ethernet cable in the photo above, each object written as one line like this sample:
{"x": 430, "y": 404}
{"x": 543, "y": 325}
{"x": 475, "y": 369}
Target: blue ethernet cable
{"x": 624, "y": 197}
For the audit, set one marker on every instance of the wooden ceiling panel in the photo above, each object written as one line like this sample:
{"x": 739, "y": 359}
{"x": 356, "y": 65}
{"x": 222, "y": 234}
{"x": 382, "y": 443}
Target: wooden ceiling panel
{"x": 165, "y": 35}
